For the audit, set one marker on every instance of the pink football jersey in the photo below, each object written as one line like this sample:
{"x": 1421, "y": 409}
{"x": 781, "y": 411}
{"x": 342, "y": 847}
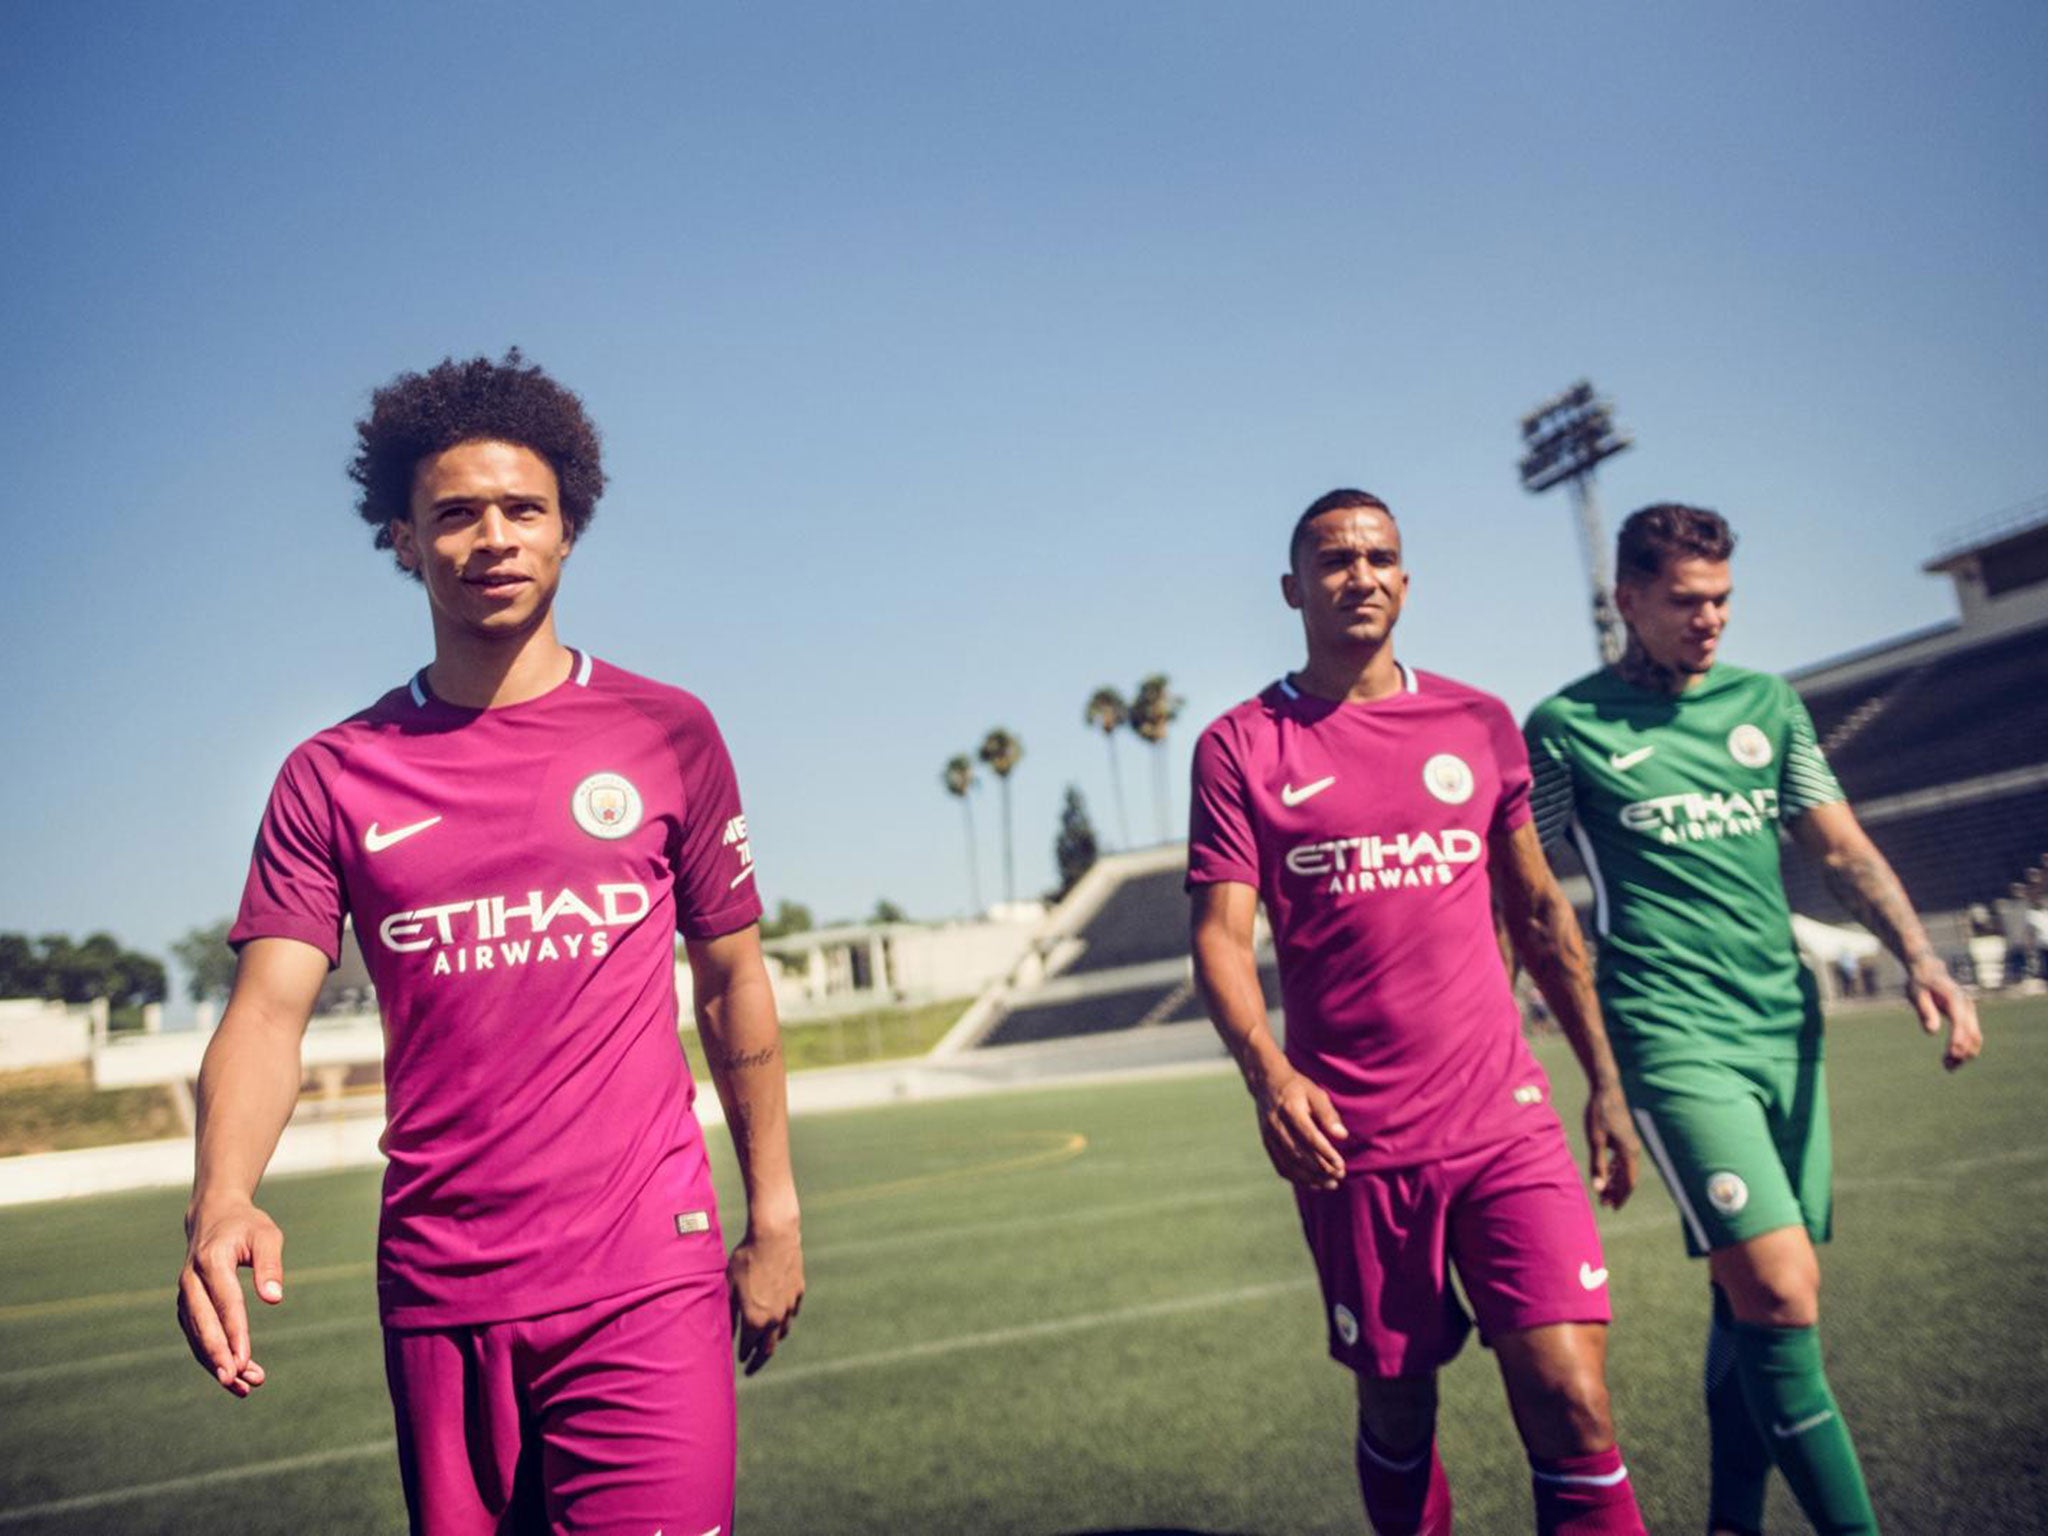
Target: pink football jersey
{"x": 1365, "y": 829}
{"x": 516, "y": 877}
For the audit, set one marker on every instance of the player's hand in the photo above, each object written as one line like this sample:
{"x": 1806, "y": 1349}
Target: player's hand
{"x": 1300, "y": 1128}
{"x": 1611, "y": 1146}
{"x": 220, "y": 1240}
{"x": 766, "y": 1278}
{"x": 1935, "y": 996}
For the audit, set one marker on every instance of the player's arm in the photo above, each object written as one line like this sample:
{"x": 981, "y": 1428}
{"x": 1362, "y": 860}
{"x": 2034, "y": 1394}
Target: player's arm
{"x": 735, "y": 1008}
{"x": 248, "y": 1085}
{"x": 1864, "y": 883}
{"x": 1296, "y": 1119}
{"x": 1546, "y": 936}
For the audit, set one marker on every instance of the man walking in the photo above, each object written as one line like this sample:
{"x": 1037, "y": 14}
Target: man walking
{"x": 517, "y": 834}
{"x": 1673, "y": 772}
{"x": 1376, "y": 810}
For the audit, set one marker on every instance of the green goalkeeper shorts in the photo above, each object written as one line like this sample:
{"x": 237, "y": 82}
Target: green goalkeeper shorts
{"x": 1742, "y": 1146}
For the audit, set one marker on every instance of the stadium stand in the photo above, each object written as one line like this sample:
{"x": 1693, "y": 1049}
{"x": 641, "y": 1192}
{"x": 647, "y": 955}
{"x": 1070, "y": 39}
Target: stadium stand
{"x": 1113, "y": 956}
{"x": 1940, "y": 738}
{"x": 1142, "y": 920}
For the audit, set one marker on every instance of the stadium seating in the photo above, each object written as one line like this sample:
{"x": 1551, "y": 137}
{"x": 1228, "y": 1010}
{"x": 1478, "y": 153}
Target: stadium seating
{"x": 1117, "y": 958}
{"x": 1100, "y": 1012}
{"x": 1144, "y": 919}
{"x": 1966, "y": 714}
{"x": 1947, "y": 858}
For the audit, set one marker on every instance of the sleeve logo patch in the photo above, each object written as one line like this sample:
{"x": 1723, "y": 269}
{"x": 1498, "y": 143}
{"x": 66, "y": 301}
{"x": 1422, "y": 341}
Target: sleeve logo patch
{"x": 1749, "y": 746}
{"x": 1529, "y": 1093}
{"x": 1347, "y": 1324}
{"x": 1448, "y": 778}
{"x": 691, "y": 1222}
{"x": 606, "y": 805}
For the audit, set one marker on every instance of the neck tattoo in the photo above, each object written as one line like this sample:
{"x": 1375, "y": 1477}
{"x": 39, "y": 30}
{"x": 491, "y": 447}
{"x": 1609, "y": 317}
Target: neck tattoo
{"x": 1637, "y": 669}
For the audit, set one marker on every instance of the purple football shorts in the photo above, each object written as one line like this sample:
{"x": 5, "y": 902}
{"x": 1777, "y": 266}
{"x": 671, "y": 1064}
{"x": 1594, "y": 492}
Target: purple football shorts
{"x": 1513, "y": 1218}
{"x": 612, "y": 1417}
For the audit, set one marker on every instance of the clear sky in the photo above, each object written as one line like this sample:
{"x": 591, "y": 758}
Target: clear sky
{"x": 956, "y": 359}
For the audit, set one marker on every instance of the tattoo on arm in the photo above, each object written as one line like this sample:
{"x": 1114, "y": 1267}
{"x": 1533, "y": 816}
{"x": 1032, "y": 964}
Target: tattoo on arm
{"x": 1864, "y": 883}
{"x": 731, "y": 1061}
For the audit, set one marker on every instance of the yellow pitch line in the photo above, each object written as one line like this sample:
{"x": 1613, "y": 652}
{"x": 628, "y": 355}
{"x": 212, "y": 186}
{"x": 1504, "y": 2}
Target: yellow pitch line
{"x": 1071, "y": 1145}
{"x": 167, "y": 1293}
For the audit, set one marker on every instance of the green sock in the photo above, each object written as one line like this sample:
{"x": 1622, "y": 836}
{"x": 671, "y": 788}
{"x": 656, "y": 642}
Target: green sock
{"x": 1740, "y": 1461}
{"x": 1788, "y": 1395}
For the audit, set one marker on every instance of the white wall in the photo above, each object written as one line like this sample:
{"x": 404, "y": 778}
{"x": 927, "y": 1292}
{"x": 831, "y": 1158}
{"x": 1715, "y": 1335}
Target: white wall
{"x": 37, "y": 1033}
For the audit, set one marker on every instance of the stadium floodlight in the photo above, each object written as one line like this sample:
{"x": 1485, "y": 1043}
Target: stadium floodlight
{"x": 1566, "y": 436}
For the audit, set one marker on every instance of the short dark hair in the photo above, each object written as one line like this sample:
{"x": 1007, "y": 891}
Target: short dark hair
{"x": 1343, "y": 499}
{"x": 510, "y": 401}
{"x": 1657, "y": 534}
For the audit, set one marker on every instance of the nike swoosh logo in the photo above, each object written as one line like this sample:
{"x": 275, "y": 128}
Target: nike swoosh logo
{"x": 377, "y": 841}
{"x": 1623, "y": 761}
{"x": 1592, "y": 1279}
{"x": 1290, "y": 796}
{"x": 1787, "y": 1431}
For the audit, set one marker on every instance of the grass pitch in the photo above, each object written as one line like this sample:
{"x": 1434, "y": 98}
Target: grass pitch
{"x": 1088, "y": 1310}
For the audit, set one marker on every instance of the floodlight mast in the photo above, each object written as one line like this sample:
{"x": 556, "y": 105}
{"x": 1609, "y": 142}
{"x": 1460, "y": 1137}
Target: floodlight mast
{"x": 1567, "y": 435}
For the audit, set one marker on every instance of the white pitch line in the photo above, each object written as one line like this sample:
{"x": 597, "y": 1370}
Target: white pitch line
{"x": 995, "y": 1338}
{"x": 197, "y": 1481}
{"x": 992, "y": 1339}
{"x": 1221, "y": 1195}
{"x": 264, "y": 1336}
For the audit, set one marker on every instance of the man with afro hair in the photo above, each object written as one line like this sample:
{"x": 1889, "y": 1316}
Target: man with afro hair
{"x": 516, "y": 833}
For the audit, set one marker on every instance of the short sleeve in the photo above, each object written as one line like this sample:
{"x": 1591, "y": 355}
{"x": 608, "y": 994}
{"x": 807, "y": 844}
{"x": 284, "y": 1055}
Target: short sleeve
{"x": 1552, "y": 800}
{"x": 712, "y": 855}
{"x": 1511, "y": 759}
{"x": 294, "y": 889}
{"x": 1805, "y": 780}
{"x": 1221, "y": 845}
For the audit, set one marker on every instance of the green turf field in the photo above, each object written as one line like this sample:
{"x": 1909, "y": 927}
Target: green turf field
{"x": 1087, "y": 1310}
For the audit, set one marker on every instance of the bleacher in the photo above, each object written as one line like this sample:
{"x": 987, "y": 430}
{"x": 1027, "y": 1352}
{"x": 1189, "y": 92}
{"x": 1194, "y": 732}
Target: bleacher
{"x": 1962, "y": 716}
{"x": 1948, "y": 858}
{"x": 1117, "y": 960}
{"x": 1144, "y": 919}
{"x": 1940, "y": 738}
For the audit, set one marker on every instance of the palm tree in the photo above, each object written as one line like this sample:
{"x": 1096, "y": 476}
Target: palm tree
{"x": 1108, "y": 713}
{"x": 1153, "y": 709}
{"x": 959, "y": 779}
{"x": 1002, "y": 752}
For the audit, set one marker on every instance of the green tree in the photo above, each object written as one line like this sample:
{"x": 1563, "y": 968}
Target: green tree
{"x": 1074, "y": 849}
{"x": 886, "y": 911}
{"x": 959, "y": 778}
{"x": 1153, "y": 710}
{"x": 21, "y": 969}
{"x": 209, "y": 963}
{"x": 1001, "y": 751}
{"x": 96, "y": 967}
{"x": 1109, "y": 713}
{"x": 790, "y": 917}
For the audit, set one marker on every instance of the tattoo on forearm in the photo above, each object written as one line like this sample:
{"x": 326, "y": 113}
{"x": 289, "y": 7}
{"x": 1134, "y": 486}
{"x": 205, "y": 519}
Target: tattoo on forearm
{"x": 730, "y": 1061}
{"x": 1865, "y": 884}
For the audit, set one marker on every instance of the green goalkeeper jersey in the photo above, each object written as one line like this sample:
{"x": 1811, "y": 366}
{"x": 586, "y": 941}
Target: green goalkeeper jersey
{"x": 1674, "y": 805}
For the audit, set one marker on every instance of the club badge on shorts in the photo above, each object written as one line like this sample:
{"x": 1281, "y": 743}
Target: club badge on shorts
{"x": 1726, "y": 1192}
{"x": 606, "y": 805}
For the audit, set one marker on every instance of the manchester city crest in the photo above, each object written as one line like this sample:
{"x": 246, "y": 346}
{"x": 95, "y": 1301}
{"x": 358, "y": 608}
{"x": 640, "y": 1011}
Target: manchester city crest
{"x": 606, "y": 805}
{"x": 1749, "y": 746}
{"x": 1447, "y": 777}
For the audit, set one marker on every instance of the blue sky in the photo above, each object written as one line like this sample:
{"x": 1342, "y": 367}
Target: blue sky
{"x": 953, "y": 360}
